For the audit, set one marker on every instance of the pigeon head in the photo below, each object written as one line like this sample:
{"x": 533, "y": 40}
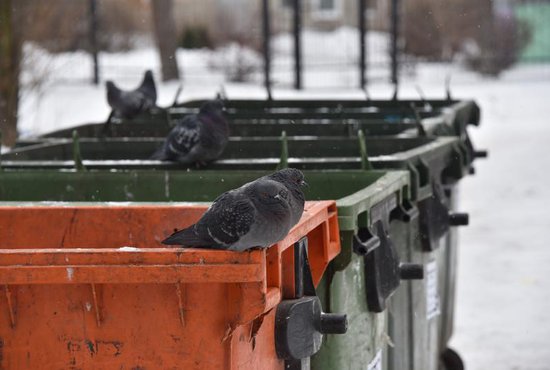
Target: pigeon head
{"x": 271, "y": 196}
{"x": 290, "y": 177}
{"x": 215, "y": 107}
{"x": 113, "y": 92}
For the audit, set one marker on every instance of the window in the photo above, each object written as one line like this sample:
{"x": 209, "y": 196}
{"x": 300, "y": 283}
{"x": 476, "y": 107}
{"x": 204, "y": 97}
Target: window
{"x": 327, "y": 5}
{"x": 327, "y": 9}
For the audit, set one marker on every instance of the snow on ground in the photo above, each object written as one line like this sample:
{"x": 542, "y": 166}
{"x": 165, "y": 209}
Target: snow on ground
{"x": 502, "y": 319}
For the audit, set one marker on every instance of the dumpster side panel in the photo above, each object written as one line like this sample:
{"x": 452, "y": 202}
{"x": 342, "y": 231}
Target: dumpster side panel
{"x": 345, "y": 291}
{"x": 57, "y": 326}
{"x": 426, "y": 300}
{"x": 451, "y": 263}
{"x": 400, "y": 306}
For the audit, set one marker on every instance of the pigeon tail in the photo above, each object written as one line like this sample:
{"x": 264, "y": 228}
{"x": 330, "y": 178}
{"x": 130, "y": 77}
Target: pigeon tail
{"x": 148, "y": 86}
{"x": 187, "y": 237}
{"x": 160, "y": 154}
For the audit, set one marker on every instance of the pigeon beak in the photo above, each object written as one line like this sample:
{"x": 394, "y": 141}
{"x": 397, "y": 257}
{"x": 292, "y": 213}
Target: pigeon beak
{"x": 278, "y": 197}
{"x": 303, "y": 183}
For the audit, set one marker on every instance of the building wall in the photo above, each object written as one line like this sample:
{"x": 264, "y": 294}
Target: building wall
{"x": 238, "y": 18}
{"x": 191, "y": 13}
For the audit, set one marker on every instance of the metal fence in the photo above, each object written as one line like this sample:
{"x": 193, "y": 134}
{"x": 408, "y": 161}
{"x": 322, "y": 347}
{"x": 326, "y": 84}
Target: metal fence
{"x": 319, "y": 44}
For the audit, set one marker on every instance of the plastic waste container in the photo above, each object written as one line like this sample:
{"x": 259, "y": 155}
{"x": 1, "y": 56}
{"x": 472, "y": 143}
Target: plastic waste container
{"x": 91, "y": 287}
{"x": 367, "y": 201}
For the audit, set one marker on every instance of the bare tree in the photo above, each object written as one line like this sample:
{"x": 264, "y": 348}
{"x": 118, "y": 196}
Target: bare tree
{"x": 165, "y": 35}
{"x": 10, "y": 57}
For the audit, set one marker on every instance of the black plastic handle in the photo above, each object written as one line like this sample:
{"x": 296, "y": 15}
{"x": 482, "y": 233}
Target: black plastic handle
{"x": 300, "y": 322}
{"x": 332, "y": 323}
{"x": 481, "y": 153}
{"x": 411, "y": 271}
{"x": 459, "y": 219}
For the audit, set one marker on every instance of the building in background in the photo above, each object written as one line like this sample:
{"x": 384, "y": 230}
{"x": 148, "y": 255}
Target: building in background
{"x": 244, "y": 16}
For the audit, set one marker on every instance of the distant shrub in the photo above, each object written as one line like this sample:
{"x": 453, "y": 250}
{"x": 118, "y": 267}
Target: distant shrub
{"x": 421, "y": 33}
{"x": 500, "y": 52}
{"x": 196, "y": 37}
{"x": 238, "y": 63}
{"x": 63, "y": 25}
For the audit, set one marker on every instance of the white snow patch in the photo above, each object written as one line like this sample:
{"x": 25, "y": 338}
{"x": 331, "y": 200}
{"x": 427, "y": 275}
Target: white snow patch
{"x": 128, "y": 249}
{"x": 70, "y": 273}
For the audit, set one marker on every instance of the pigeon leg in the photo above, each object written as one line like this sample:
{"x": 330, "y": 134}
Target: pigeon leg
{"x": 108, "y": 124}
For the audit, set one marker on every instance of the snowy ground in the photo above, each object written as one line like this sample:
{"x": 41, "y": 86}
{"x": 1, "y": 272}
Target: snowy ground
{"x": 503, "y": 296}
{"x": 502, "y": 319}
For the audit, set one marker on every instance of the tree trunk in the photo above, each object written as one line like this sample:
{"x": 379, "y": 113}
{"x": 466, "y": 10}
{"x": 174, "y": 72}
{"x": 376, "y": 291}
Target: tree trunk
{"x": 10, "y": 57}
{"x": 165, "y": 35}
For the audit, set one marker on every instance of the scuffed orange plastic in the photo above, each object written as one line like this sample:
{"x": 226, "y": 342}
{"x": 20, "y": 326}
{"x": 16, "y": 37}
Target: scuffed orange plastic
{"x": 71, "y": 298}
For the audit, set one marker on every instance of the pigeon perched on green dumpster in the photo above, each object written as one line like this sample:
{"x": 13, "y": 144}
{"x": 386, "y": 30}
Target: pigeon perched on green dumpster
{"x": 258, "y": 214}
{"x": 128, "y": 104}
{"x": 198, "y": 138}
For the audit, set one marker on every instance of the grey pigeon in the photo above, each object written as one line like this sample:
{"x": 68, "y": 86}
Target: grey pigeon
{"x": 258, "y": 214}
{"x": 293, "y": 179}
{"x": 128, "y": 104}
{"x": 198, "y": 138}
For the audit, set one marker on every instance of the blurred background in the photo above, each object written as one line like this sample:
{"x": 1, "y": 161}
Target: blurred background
{"x": 71, "y": 47}
{"x": 55, "y": 57}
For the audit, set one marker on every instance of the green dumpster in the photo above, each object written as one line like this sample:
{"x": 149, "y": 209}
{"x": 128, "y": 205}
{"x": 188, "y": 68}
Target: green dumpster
{"x": 427, "y": 160}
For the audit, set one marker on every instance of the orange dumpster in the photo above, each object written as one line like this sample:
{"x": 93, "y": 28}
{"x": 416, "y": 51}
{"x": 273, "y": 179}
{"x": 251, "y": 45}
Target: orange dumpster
{"x": 92, "y": 287}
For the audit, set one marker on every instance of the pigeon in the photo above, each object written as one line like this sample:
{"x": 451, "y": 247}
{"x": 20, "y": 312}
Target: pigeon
{"x": 293, "y": 180}
{"x": 198, "y": 138}
{"x": 128, "y": 104}
{"x": 258, "y": 214}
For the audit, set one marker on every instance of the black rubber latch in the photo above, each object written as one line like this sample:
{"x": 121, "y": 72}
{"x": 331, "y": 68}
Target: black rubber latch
{"x": 300, "y": 323}
{"x": 297, "y": 324}
{"x": 472, "y": 170}
{"x": 435, "y": 219}
{"x": 459, "y": 219}
{"x": 384, "y": 271}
